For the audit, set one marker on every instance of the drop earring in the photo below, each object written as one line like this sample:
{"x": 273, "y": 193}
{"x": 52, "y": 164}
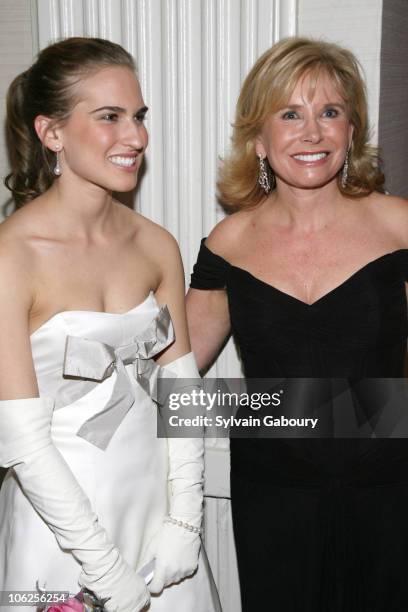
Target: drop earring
{"x": 344, "y": 172}
{"x": 57, "y": 167}
{"x": 263, "y": 178}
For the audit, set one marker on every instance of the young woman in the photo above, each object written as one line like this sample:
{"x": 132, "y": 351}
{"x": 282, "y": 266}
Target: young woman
{"x": 309, "y": 274}
{"x": 86, "y": 303}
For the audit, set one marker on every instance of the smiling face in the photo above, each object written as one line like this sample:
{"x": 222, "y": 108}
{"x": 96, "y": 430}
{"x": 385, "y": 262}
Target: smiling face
{"x": 104, "y": 139}
{"x": 306, "y": 142}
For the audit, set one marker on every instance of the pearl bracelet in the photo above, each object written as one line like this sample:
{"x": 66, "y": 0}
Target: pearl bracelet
{"x": 173, "y": 521}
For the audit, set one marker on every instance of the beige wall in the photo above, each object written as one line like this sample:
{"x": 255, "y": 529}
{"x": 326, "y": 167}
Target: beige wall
{"x": 393, "y": 133}
{"x": 17, "y": 47}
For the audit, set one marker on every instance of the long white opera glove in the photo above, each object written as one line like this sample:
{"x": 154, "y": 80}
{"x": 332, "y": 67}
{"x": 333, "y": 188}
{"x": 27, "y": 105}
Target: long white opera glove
{"x": 176, "y": 547}
{"x": 26, "y": 445}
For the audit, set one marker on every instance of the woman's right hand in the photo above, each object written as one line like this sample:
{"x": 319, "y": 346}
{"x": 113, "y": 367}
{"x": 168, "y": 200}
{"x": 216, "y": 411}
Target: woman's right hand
{"x": 123, "y": 588}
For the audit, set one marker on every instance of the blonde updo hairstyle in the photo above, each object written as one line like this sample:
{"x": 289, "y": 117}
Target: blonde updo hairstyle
{"x": 268, "y": 88}
{"x": 48, "y": 88}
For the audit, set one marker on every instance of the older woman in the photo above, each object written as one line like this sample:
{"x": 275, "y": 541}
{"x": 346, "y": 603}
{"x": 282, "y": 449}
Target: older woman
{"x": 309, "y": 274}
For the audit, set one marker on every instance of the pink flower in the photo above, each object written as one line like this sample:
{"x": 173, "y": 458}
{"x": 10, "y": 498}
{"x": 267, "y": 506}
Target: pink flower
{"x": 71, "y": 605}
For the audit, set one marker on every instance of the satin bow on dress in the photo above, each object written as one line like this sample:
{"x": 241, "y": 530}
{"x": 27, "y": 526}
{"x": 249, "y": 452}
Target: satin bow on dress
{"x": 94, "y": 362}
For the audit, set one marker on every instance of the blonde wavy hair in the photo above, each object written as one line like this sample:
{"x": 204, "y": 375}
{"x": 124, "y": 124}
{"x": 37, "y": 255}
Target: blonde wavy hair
{"x": 267, "y": 88}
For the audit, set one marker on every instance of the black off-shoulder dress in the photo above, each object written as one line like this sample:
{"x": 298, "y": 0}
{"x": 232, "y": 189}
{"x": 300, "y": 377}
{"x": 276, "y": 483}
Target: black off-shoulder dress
{"x": 320, "y": 525}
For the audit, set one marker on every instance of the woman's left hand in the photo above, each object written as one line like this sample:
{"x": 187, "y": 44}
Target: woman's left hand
{"x": 176, "y": 551}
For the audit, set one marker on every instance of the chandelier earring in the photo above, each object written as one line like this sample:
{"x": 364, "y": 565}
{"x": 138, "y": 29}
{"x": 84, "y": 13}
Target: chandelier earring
{"x": 263, "y": 177}
{"x": 344, "y": 172}
{"x": 57, "y": 168}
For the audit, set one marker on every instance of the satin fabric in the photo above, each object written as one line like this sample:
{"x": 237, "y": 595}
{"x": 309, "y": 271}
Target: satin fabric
{"x": 125, "y": 478}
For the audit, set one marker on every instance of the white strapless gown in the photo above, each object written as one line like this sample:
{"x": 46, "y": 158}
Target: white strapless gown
{"x": 126, "y": 483}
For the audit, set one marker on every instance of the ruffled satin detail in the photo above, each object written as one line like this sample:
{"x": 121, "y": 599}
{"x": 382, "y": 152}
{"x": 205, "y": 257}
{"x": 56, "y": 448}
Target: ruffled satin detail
{"x": 91, "y": 360}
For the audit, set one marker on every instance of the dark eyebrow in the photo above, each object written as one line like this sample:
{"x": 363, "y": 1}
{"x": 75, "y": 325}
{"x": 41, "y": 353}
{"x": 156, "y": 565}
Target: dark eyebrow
{"x": 113, "y": 109}
{"x": 118, "y": 109}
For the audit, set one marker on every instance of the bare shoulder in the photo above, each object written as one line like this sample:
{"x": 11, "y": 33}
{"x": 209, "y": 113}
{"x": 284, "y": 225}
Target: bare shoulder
{"x": 154, "y": 243}
{"x": 30, "y": 221}
{"x": 152, "y": 235}
{"x": 226, "y": 236}
{"x": 15, "y": 249}
{"x": 19, "y": 254}
{"x": 16, "y": 269}
{"x": 392, "y": 214}
{"x": 392, "y": 204}
{"x": 159, "y": 249}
